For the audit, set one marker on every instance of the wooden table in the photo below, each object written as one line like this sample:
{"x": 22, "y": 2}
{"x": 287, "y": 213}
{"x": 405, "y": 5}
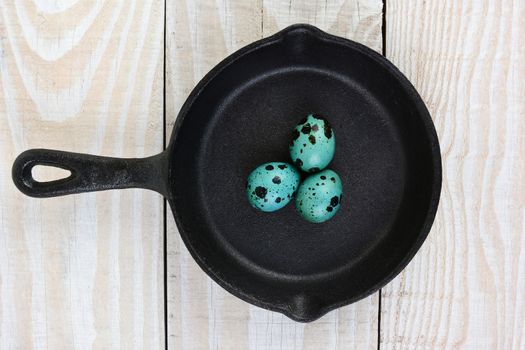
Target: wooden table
{"x": 108, "y": 77}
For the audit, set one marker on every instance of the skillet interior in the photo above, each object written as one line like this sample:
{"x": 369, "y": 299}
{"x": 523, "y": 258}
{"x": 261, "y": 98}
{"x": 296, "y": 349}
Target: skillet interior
{"x": 387, "y": 156}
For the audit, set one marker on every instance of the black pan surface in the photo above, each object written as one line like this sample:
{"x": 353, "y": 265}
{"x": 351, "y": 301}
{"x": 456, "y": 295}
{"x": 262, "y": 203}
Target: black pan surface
{"x": 241, "y": 115}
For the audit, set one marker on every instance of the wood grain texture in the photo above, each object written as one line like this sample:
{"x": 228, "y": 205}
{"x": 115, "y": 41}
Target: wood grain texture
{"x": 82, "y": 271}
{"x": 465, "y": 287}
{"x": 201, "y": 315}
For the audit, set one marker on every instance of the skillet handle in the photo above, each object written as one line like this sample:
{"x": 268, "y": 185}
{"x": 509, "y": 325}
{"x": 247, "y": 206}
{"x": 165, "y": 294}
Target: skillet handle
{"x": 89, "y": 173}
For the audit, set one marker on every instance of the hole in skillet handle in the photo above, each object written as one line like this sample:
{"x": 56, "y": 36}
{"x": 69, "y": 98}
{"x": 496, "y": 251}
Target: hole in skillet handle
{"x": 46, "y": 173}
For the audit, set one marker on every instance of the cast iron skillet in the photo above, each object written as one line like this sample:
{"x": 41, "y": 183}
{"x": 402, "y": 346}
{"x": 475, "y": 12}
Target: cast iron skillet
{"x": 241, "y": 115}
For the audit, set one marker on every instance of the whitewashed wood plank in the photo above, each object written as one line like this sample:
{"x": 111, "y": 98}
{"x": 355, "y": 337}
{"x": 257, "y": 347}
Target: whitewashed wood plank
{"x": 465, "y": 287}
{"x": 201, "y": 314}
{"x": 86, "y": 270}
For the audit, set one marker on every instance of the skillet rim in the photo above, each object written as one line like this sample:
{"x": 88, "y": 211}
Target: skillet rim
{"x": 422, "y": 113}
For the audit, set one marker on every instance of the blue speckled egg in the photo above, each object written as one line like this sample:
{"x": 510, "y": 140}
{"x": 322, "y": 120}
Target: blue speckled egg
{"x": 272, "y": 185}
{"x": 313, "y": 144}
{"x": 319, "y": 196}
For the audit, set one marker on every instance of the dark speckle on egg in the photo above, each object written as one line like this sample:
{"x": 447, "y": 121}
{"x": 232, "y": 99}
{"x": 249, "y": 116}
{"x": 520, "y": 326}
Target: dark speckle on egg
{"x": 327, "y": 129}
{"x": 315, "y": 127}
{"x": 278, "y": 200}
{"x": 329, "y": 209}
{"x": 333, "y": 179}
{"x": 276, "y": 180}
{"x": 295, "y": 136}
{"x": 306, "y": 129}
{"x": 299, "y": 162}
{"x": 311, "y": 138}
{"x": 260, "y": 192}
{"x": 269, "y": 167}
{"x": 313, "y": 170}
{"x": 283, "y": 166}
{"x": 334, "y": 201}
{"x": 323, "y": 177}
